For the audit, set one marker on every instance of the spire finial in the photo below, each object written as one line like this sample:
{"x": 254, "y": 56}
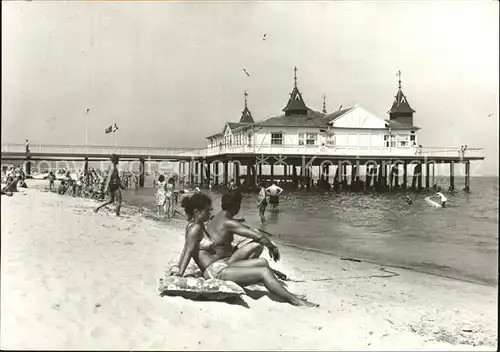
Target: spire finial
{"x": 246, "y": 95}
{"x": 399, "y": 81}
{"x": 295, "y": 76}
{"x": 324, "y": 103}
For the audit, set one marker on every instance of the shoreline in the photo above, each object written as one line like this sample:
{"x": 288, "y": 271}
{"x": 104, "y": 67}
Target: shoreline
{"x": 77, "y": 304}
{"x": 394, "y": 266}
{"x": 149, "y": 213}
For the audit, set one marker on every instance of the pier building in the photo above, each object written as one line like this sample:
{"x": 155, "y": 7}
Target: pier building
{"x": 338, "y": 144}
{"x": 351, "y": 148}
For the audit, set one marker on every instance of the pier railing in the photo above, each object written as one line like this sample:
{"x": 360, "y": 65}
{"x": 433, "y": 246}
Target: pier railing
{"x": 101, "y": 150}
{"x": 345, "y": 150}
{"x": 130, "y": 151}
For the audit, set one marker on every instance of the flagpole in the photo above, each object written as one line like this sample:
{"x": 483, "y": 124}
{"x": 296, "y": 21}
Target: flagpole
{"x": 87, "y": 130}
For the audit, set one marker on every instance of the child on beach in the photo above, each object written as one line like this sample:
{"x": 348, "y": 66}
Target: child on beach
{"x": 198, "y": 208}
{"x": 113, "y": 185}
{"x": 161, "y": 197}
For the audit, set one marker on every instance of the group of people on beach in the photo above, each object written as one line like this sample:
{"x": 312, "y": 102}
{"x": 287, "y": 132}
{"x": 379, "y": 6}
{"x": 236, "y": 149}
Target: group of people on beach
{"x": 209, "y": 242}
{"x": 165, "y": 197}
{"x": 14, "y": 178}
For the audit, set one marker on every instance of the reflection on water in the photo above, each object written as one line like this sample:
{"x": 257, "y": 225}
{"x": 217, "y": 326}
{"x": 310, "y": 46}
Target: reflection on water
{"x": 460, "y": 241}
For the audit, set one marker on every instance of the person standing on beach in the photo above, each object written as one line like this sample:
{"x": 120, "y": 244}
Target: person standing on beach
{"x": 274, "y": 191}
{"x": 113, "y": 185}
{"x": 262, "y": 203}
{"x": 170, "y": 198}
{"x": 161, "y": 197}
{"x": 52, "y": 177}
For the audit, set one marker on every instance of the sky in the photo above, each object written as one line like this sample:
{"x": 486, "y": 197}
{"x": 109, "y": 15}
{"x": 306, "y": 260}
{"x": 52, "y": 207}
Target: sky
{"x": 171, "y": 73}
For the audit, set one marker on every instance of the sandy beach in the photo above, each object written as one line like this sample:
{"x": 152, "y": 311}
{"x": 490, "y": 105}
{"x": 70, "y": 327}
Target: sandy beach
{"x": 72, "y": 279}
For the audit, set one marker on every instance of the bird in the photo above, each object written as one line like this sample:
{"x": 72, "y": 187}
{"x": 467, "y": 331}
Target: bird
{"x": 248, "y": 74}
{"x": 490, "y": 115}
{"x": 264, "y": 36}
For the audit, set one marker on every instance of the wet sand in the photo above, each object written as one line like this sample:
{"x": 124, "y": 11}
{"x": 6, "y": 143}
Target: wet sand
{"x": 72, "y": 279}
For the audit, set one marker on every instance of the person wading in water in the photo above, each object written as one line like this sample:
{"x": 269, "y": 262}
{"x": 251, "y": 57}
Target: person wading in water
{"x": 274, "y": 192}
{"x": 113, "y": 185}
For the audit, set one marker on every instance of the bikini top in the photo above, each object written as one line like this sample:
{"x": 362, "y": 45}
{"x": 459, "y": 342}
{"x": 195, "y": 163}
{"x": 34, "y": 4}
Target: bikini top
{"x": 206, "y": 242}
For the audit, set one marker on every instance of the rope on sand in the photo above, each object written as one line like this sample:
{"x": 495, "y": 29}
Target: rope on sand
{"x": 386, "y": 271}
{"x": 349, "y": 277}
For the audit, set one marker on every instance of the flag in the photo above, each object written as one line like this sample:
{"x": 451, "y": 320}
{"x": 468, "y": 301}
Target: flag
{"x": 115, "y": 127}
{"x": 109, "y": 129}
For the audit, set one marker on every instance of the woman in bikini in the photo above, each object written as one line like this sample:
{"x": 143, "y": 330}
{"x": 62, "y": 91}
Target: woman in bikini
{"x": 169, "y": 204}
{"x": 247, "y": 272}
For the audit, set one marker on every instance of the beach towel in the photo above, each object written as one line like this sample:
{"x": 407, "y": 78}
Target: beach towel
{"x": 194, "y": 286}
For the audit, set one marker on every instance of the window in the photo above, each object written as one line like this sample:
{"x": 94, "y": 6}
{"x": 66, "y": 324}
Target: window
{"x": 393, "y": 141}
{"x": 249, "y": 139}
{"x": 403, "y": 141}
{"x": 330, "y": 139}
{"x": 311, "y": 138}
{"x": 412, "y": 138}
{"x": 277, "y": 138}
{"x": 301, "y": 139}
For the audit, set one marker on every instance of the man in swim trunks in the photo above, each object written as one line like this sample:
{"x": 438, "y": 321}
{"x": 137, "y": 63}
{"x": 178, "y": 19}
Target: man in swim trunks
{"x": 274, "y": 191}
{"x": 113, "y": 186}
{"x": 223, "y": 227}
{"x": 244, "y": 273}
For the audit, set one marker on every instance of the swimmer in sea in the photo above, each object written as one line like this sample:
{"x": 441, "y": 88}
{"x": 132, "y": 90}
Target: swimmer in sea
{"x": 246, "y": 272}
{"x": 442, "y": 197}
{"x": 408, "y": 200}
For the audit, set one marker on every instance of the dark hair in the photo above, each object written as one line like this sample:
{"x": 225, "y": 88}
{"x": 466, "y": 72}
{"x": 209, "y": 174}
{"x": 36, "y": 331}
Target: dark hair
{"x": 161, "y": 178}
{"x": 114, "y": 158}
{"x": 197, "y": 201}
{"x": 231, "y": 201}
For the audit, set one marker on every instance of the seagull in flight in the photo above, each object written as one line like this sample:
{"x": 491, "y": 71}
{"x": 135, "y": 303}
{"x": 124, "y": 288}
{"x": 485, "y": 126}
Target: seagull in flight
{"x": 246, "y": 72}
{"x": 264, "y": 37}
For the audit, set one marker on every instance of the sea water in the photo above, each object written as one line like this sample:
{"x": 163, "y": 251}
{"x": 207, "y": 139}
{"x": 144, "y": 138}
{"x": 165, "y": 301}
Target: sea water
{"x": 459, "y": 241}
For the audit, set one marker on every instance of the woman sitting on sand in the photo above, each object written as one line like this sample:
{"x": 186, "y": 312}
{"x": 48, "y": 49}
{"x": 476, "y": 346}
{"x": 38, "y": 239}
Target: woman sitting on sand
{"x": 198, "y": 207}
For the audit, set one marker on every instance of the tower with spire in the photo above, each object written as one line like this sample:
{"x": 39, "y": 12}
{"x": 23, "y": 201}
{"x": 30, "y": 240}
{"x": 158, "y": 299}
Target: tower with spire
{"x": 295, "y": 105}
{"x": 246, "y": 115}
{"x": 324, "y": 104}
{"x": 401, "y": 110}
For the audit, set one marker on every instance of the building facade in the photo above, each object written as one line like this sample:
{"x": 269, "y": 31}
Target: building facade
{"x": 301, "y": 130}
